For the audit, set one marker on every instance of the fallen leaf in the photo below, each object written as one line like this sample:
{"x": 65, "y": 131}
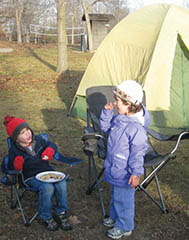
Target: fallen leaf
{"x": 74, "y": 220}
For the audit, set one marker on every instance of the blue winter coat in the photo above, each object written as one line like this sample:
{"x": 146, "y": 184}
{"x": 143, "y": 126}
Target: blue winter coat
{"x": 33, "y": 164}
{"x": 126, "y": 147}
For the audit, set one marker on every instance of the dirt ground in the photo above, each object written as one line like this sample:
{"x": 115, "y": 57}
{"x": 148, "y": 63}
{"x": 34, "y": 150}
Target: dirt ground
{"x": 85, "y": 215}
{"x": 42, "y": 101}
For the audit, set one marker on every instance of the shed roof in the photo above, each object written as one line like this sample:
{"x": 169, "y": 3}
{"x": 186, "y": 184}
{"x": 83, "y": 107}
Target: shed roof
{"x": 99, "y": 17}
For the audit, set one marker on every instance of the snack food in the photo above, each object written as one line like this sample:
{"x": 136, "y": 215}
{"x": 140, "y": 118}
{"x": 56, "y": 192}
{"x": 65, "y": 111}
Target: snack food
{"x": 49, "y": 176}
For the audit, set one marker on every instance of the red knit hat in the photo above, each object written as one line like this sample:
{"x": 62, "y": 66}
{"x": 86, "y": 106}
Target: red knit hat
{"x": 14, "y": 126}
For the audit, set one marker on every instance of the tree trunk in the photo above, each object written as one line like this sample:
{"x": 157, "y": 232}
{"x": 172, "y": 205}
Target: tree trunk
{"x": 18, "y": 12}
{"x": 27, "y": 36}
{"x": 35, "y": 38}
{"x": 73, "y": 25}
{"x": 90, "y": 37}
{"x": 10, "y": 37}
{"x": 62, "y": 62}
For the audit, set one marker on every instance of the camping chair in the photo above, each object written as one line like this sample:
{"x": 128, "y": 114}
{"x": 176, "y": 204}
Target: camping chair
{"x": 94, "y": 143}
{"x": 14, "y": 179}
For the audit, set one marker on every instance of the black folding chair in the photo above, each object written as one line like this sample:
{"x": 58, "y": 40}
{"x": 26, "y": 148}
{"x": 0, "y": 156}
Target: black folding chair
{"x": 94, "y": 144}
{"x": 18, "y": 188}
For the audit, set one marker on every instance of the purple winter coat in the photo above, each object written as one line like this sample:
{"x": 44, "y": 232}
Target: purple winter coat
{"x": 126, "y": 147}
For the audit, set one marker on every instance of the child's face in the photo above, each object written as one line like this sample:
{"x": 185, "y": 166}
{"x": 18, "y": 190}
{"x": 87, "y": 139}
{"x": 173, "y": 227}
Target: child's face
{"x": 122, "y": 108}
{"x": 25, "y": 137}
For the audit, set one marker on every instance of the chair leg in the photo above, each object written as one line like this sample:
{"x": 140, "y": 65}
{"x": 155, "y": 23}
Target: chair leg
{"x": 155, "y": 201}
{"x": 18, "y": 201}
{"x": 163, "y": 207}
{"x": 145, "y": 183}
{"x": 31, "y": 220}
{"x": 13, "y": 203}
{"x": 96, "y": 184}
{"x": 20, "y": 205}
{"x": 89, "y": 171}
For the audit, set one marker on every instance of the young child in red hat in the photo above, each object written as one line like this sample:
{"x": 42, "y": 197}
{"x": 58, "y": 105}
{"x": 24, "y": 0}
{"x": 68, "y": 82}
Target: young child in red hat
{"x": 32, "y": 155}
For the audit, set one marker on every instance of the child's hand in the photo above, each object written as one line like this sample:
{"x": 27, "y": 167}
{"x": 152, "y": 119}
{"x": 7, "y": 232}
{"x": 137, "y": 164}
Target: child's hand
{"x": 134, "y": 181}
{"x": 47, "y": 154}
{"x": 109, "y": 106}
{"x": 18, "y": 163}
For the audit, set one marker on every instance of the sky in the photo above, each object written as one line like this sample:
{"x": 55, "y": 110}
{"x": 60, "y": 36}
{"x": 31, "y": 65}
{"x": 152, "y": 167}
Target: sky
{"x": 135, "y": 4}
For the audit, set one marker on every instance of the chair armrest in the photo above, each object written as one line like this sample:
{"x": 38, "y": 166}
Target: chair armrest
{"x": 13, "y": 172}
{"x": 68, "y": 160}
{"x": 94, "y": 142}
{"x": 178, "y": 140}
{"x": 10, "y": 178}
{"x": 94, "y": 135}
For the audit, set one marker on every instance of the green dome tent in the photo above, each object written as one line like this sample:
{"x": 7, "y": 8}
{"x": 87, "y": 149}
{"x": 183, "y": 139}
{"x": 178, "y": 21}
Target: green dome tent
{"x": 151, "y": 45}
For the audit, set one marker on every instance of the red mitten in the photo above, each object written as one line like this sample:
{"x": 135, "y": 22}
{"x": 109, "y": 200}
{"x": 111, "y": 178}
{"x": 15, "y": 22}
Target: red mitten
{"x": 47, "y": 154}
{"x": 18, "y": 163}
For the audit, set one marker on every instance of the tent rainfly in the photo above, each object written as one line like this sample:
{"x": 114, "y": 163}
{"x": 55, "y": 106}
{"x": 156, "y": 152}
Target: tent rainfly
{"x": 151, "y": 45}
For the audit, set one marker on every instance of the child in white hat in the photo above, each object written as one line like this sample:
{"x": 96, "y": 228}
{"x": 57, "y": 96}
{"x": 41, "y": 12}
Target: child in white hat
{"x": 126, "y": 148}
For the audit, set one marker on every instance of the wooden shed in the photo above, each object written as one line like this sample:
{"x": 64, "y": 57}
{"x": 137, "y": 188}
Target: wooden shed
{"x": 101, "y": 24}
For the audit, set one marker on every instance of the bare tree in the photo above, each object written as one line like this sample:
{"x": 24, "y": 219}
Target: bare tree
{"x": 33, "y": 14}
{"x": 19, "y": 7}
{"x": 74, "y": 13}
{"x": 7, "y": 17}
{"x": 118, "y": 8}
{"x": 19, "y": 14}
{"x": 90, "y": 37}
{"x": 62, "y": 62}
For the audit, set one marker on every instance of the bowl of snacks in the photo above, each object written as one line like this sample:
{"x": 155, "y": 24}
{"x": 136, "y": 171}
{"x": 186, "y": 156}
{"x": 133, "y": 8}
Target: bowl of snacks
{"x": 50, "y": 176}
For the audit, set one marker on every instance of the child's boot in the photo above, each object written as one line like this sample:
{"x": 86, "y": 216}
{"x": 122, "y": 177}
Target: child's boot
{"x": 64, "y": 222}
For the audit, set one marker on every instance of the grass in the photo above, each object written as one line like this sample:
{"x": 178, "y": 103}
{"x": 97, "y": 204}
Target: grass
{"x": 31, "y": 89}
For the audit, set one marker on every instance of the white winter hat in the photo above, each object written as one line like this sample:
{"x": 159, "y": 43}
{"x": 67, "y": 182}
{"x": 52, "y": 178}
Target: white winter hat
{"x": 133, "y": 91}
